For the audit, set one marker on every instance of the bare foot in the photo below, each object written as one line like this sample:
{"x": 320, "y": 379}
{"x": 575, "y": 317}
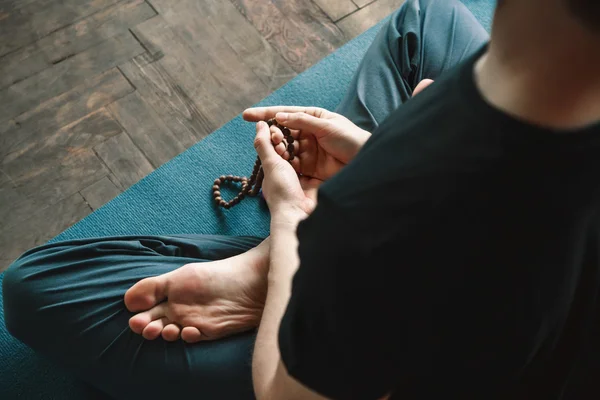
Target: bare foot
{"x": 202, "y": 301}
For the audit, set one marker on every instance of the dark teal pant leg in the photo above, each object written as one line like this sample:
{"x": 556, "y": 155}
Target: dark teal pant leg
{"x": 65, "y": 300}
{"x": 423, "y": 39}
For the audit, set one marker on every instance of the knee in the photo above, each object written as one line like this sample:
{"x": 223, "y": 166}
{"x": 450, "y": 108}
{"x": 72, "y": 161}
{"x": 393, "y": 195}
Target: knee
{"x": 20, "y": 296}
{"x": 414, "y": 15}
{"x": 449, "y": 15}
{"x": 10, "y": 296}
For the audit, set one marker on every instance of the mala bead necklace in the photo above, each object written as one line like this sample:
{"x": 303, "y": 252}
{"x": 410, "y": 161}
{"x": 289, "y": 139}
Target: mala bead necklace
{"x": 250, "y": 186}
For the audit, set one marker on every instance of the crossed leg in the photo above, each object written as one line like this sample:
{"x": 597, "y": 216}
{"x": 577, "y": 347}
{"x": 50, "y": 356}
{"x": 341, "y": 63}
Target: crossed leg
{"x": 65, "y": 301}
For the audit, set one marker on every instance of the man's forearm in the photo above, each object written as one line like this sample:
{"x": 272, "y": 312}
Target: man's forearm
{"x": 271, "y": 380}
{"x": 283, "y": 263}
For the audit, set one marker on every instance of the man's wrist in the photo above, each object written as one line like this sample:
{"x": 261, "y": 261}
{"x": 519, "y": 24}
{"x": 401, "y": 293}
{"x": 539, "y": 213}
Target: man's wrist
{"x": 287, "y": 218}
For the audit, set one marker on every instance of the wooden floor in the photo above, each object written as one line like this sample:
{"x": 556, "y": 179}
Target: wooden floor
{"x": 96, "y": 94}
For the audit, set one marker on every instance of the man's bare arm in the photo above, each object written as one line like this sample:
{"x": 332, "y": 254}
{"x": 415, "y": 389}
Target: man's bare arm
{"x": 271, "y": 380}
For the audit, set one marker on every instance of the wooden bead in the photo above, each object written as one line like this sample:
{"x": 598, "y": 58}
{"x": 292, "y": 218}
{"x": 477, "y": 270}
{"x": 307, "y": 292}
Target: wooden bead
{"x": 251, "y": 186}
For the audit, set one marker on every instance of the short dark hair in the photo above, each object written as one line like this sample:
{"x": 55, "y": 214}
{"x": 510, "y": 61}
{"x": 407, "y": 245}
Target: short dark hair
{"x": 588, "y": 11}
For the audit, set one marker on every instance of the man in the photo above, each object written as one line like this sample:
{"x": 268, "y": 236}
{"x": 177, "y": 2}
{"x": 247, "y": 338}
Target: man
{"x": 458, "y": 255}
{"x": 454, "y": 255}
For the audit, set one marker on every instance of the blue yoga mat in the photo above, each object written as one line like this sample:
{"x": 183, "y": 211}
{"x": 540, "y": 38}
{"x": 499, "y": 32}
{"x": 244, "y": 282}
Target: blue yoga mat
{"x": 176, "y": 198}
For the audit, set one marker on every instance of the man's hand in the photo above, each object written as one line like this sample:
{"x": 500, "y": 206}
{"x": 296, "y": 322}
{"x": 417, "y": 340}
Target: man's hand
{"x": 324, "y": 141}
{"x": 284, "y": 192}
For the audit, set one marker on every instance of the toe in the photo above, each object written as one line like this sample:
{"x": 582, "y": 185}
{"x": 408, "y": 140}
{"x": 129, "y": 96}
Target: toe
{"x": 191, "y": 334}
{"x": 171, "y": 332}
{"x": 154, "y": 328}
{"x": 138, "y": 322}
{"x": 146, "y": 293}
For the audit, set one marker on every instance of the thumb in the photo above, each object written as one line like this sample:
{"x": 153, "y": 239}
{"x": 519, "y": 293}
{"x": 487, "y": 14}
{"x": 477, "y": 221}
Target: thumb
{"x": 262, "y": 143}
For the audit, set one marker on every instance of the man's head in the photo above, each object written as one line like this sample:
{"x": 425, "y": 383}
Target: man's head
{"x": 588, "y": 11}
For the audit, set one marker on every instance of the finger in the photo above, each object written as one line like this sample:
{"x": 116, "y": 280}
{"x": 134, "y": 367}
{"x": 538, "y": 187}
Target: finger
{"x": 301, "y": 146}
{"x": 263, "y": 145}
{"x": 191, "y": 334}
{"x": 171, "y": 332}
{"x": 280, "y": 149}
{"x": 296, "y": 164}
{"x": 154, "y": 328}
{"x": 276, "y": 135}
{"x": 303, "y": 122}
{"x": 264, "y": 113}
{"x": 421, "y": 86}
{"x": 277, "y": 140}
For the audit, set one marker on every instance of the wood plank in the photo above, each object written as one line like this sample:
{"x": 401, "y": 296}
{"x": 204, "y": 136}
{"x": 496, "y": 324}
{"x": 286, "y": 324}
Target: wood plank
{"x": 187, "y": 71}
{"x": 362, "y": 3}
{"x": 41, "y": 152}
{"x": 358, "y": 22}
{"x": 37, "y": 19}
{"x": 100, "y": 193}
{"x": 168, "y": 99}
{"x": 63, "y": 76}
{"x": 253, "y": 49}
{"x": 45, "y": 173}
{"x": 336, "y": 9}
{"x": 218, "y": 96}
{"x": 146, "y": 129}
{"x": 63, "y": 162}
{"x": 228, "y": 76}
{"x": 280, "y": 32}
{"x": 59, "y": 111}
{"x": 7, "y": 6}
{"x": 127, "y": 163}
{"x": 40, "y": 227}
{"x": 316, "y": 26}
{"x": 72, "y": 39}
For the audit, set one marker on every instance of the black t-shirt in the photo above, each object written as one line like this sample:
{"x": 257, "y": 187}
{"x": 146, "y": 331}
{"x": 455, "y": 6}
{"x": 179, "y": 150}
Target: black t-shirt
{"x": 457, "y": 256}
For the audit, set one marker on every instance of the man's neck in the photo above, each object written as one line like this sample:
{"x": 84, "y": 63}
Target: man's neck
{"x": 545, "y": 72}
